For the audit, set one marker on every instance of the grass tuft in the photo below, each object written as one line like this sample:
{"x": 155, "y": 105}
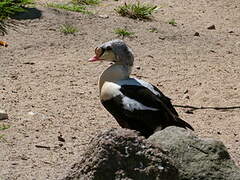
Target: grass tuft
{"x": 123, "y": 32}
{"x": 3, "y": 127}
{"x": 173, "y": 22}
{"x": 136, "y": 11}
{"x": 70, "y": 7}
{"x": 68, "y": 29}
{"x": 9, "y": 8}
{"x": 86, "y": 2}
{"x": 153, "y": 30}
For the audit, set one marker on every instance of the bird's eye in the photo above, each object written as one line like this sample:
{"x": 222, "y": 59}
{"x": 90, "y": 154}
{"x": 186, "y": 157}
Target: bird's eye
{"x": 98, "y": 51}
{"x": 108, "y": 48}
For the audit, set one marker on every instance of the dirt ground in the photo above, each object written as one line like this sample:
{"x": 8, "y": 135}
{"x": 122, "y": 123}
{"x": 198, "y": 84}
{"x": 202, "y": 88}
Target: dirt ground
{"x": 50, "y": 90}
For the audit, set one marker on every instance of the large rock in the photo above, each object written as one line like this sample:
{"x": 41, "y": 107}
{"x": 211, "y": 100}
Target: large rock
{"x": 122, "y": 154}
{"x": 194, "y": 157}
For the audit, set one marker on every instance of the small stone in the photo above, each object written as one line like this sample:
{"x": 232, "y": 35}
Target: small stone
{"x": 32, "y": 113}
{"x": 212, "y": 51}
{"x": 61, "y": 139}
{"x": 231, "y": 32}
{"x": 138, "y": 67}
{"x": 186, "y": 96}
{"x": 104, "y": 16}
{"x": 196, "y": 34}
{"x": 3, "y": 115}
{"x": 189, "y": 111}
{"x": 212, "y": 27}
{"x": 219, "y": 133}
{"x": 30, "y": 63}
{"x": 150, "y": 56}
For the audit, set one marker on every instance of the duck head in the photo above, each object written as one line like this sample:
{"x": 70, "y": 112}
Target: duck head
{"x": 114, "y": 51}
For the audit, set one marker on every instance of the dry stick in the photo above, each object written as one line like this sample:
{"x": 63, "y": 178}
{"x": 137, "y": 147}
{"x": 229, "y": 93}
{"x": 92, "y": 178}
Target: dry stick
{"x": 42, "y": 146}
{"x": 207, "y": 107}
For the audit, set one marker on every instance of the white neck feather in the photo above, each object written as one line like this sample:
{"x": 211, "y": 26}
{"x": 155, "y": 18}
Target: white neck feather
{"x": 114, "y": 73}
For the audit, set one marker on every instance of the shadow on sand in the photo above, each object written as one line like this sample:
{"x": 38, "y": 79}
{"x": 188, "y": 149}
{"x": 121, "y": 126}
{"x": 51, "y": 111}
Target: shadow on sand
{"x": 29, "y": 13}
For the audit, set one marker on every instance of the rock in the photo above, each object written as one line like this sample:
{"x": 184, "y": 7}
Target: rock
{"x": 3, "y": 115}
{"x": 212, "y": 27}
{"x": 196, "y": 34}
{"x": 186, "y": 96}
{"x": 122, "y": 154}
{"x": 196, "y": 158}
{"x": 104, "y": 16}
{"x": 162, "y": 38}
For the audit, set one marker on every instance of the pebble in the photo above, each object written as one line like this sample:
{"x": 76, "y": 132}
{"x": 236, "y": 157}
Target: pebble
{"x": 186, "y": 96}
{"x": 162, "y": 38}
{"x": 3, "y": 115}
{"x": 212, "y": 27}
{"x": 196, "y": 34}
{"x": 32, "y": 113}
{"x": 104, "y": 16}
{"x": 138, "y": 67}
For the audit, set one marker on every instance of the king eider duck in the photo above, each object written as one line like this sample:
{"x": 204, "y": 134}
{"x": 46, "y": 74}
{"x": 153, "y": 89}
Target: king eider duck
{"x": 134, "y": 103}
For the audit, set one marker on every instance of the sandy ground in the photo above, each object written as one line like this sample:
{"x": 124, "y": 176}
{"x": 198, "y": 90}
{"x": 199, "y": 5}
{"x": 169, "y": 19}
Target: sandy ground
{"x": 50, "y": 90}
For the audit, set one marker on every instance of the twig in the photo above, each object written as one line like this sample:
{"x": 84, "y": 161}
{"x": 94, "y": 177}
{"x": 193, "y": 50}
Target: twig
{"x": 207, "y": 107}
{"x": 44, "y": 147}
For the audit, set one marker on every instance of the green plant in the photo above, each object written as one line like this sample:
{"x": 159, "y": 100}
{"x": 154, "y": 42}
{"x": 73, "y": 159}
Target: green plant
{"x": 136, "y": 11}
{"x": 3, "y": 127}
{"x": 123, "y": 32}
{"x": 68, "y": 29}
{"x": 172, "y": 22}
{"x": 153, "y": 30}
{"x": 86, "y": 2}
{"x": 9, "y": 8}
{"x": 3, "y": 27}
{"x": 70, "y": 7}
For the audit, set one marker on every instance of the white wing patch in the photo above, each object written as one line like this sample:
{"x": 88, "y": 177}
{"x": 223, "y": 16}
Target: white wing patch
{"x": 131, "y": 105}
{"x": 110, "y": 90}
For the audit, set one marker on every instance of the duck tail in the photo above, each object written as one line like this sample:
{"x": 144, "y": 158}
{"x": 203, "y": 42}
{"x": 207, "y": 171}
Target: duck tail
{"x": 184, "y": 124}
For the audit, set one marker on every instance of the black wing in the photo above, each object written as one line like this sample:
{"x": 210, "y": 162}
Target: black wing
{"x": 166, "y": 100}
{"x": 165, "y": 110}
{"x": 146, "y": 97}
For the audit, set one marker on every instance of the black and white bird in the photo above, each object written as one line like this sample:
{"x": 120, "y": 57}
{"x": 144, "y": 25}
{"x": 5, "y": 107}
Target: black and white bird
{"x": 134, "y": 103}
